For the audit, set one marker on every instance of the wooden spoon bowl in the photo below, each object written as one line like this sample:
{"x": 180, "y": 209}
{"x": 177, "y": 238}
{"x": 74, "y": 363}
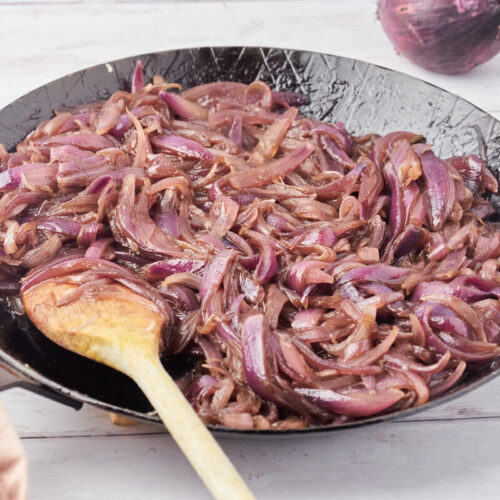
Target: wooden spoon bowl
{"x": 122, "y": 329}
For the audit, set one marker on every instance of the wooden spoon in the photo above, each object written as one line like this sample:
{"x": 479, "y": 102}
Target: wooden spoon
{"x": 122, "y": 330}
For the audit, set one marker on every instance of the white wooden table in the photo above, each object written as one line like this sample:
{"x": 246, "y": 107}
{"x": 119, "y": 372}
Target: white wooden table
{"x": 452, "y": 451}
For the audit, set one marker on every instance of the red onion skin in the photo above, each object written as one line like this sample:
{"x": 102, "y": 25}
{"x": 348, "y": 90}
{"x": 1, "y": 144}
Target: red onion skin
{"x": 445, "y": 36}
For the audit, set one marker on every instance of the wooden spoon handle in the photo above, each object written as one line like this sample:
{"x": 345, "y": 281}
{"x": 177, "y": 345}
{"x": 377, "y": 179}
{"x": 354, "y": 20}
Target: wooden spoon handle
{"x": 199, "y": 446}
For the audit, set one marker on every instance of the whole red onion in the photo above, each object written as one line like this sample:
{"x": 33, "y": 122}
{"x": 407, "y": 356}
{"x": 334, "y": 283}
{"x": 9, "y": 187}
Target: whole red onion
{"x": 446, "y": 36}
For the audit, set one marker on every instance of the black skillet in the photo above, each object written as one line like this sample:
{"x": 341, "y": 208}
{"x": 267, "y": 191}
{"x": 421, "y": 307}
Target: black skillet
{"x": 365, "y": 97}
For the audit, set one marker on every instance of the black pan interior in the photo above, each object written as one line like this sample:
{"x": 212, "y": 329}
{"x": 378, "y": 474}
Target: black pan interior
{"x": 365, "y": 97}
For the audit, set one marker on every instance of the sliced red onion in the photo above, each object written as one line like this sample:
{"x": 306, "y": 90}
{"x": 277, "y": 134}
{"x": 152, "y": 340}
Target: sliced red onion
{"x": 331, "y": 131}
{"x": 438, "y": 388}
{"x": 483, "y": 210}
{"x": 382, "y": 273}
{"x": 109, "y": 114}
{"x": 412, "y": 239}
{"x": 252, "y": 117}
{"x": 31, "y": 174}
{"x": 214, "y": 272}
{"x": 306, "y": 272}
{"x": 256, "y": 351}
{"x": 267, "y": 265}
{"x": 355, "y": 403}
{"x": 212, "y": 242}
{"x": 65, "y": 227}
{"x": 124, "y": 122}
{"x": 223, "y": 215}
{"x": 467, "y": 288}
{"x": 440, "y": 193}
{"x": 236, "y": 132}
{"x": 385, "y": 144}
{"x": 319, "y": 235}
{"x": 447, "y": 320}
{"x": 339, "y": 186}
{"x": 241, "y": 421}
{"x": 260, "y": 366}
{"x": 487, "y": 247}
{"x": 85, "y": 178}
{"x": 82, "y": 140}
{"x": 403, "y": 362}
{"x": 198, "y": 386}
{"x": 271, "y": 140}
{"x": 132, "y": 226}
{"x": 89, "y": 233}
{"x": 239, "y": 243}
{"x": 40, "y": 254}
{"x": 270, "y": 171}
{"x": 11, "y": 178}
{"x": 138, "y": 77}
{"x": 183, "y": 107}
{"x": 459, "y": 346}
{"x": 307, "y": 318}
{"x": 212, "y": 354}
{"x": 169, "y": 223}
{"x": 275, "y": 301}
{"x": 406, "y": 162}
{"x": 369, "y": 357}
{"x": 182, "y": 298}
{"x": 280, "y": 224}
{"x": 337, "y": 154}
{"x": 397, "y": 212}
{"x": 258, "y": 93}
{"x": 101, "y": 184}
{"x": 250, "y": 262}
{"x": 67, "y": 153}
{"x": 471, "y": 169}
{"x": 234, "y": 91}
{"x": 75, "y": 122}
{"x": 371, "y": 185}
{"x": 224, "y": 336}
{"x": 451, "y": 265}
{"x": 182, "y": 146}
{"x": 163, "y": 268}
{"x": 463, "y": 310}
{"x": 293, "y": 363}
{"x": 98, "y": 248}
{"x": 122, "y": 125}
{"x": 81, "y": 164}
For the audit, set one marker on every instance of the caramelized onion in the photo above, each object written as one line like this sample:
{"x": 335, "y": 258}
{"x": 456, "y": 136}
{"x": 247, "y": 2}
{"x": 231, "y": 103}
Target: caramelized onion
{"x": 313, "y": 277}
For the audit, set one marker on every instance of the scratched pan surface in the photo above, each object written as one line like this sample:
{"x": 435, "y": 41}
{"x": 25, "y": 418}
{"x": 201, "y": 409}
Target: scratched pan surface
{"x": 365, "y": 97}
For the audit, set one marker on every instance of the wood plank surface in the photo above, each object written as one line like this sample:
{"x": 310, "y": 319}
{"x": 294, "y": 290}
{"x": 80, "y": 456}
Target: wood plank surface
{"x": 410, "y": 461}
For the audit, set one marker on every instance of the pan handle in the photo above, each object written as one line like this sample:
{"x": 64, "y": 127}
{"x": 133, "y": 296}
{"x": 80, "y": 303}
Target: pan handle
{"x": 9, "y": 380}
